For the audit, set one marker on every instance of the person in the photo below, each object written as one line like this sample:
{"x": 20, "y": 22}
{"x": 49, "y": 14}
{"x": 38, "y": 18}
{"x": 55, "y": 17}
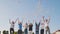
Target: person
{"x": 30, "y": 28}
{"x": 37, "y": 27}
{"x": 12, "y": 26}
{"x": 47, "y": 25}
{"x": 26, "y": 28}
{"x": 20, "y": 27}
{"x": 42, "y": 24}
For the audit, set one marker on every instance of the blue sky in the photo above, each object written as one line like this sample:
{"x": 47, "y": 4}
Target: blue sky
{"x": 29, "y": 9}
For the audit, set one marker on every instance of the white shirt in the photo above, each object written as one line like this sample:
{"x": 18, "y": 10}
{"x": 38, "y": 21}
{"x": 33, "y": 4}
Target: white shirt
{"x": 42, "y": 24}
{"x": 12, "y": 25}
{"x": 25, "y": 26}
{"x": 46, "y": 23}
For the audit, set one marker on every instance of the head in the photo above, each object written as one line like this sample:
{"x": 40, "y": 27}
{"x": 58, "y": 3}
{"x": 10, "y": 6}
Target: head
{"x": 46, "y": 20}
{"x": 26, "y": 23}
{"x": 12, "y": 22}
{"x": 31, "y": 24}
{"x": 42, "y": 16}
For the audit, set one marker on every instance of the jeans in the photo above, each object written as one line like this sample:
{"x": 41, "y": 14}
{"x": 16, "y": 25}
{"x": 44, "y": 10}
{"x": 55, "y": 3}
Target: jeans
{"x": 11, "y": 31}
{"x": 37, "y": 32}
{"x": 42, "y": 31}
{"x": 47, "y": 30}
{"x": 25, "y": 32}
{"x": 19, "y": 31}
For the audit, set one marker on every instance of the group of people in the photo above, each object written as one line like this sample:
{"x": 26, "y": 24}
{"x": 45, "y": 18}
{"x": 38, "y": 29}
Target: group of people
{"x": 43, "y": 26}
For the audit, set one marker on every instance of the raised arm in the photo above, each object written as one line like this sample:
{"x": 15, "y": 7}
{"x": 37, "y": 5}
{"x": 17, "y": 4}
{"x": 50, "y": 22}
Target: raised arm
{"x": 22, "y": 21}
{"x": 16, "y": 20}
{"x": 49, "y": 19}
{"x": 34, "y": 21}
{"x": 28, "y": 22}
{"x": 10, "y": 21}
{"x": 43, "y": 18}
{"x": 39, "y": 22}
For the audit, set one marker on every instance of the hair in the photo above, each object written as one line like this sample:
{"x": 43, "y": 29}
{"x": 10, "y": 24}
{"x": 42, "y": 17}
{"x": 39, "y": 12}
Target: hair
{"x": 12, "y": 22}
{"x": 46, "y": 20}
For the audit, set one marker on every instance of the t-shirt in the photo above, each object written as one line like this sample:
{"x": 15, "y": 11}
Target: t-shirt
{"x": 46, "y": 23}
{"x": 37, "y": 26}
{"x": 20, "y": 26}
{"x": 42, "y": 24}
{"x": 25, "y": 26}
{"x": 12, "y": 25}
{"x": 30, "y": 26}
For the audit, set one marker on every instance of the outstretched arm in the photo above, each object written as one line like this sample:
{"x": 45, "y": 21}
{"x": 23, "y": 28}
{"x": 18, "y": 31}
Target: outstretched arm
{"x": 9, "y": 21}
{"x": 43, "y": 18}
{"x": 16, "y": 20}
{"x": 34, "y": 21}
{"x": 28, "y": 22}
{"x": 39, "y": 22}
{"x": 48, "y": 19}
{"x": 22, "y": 21}
{"x": 19, "y": 21}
